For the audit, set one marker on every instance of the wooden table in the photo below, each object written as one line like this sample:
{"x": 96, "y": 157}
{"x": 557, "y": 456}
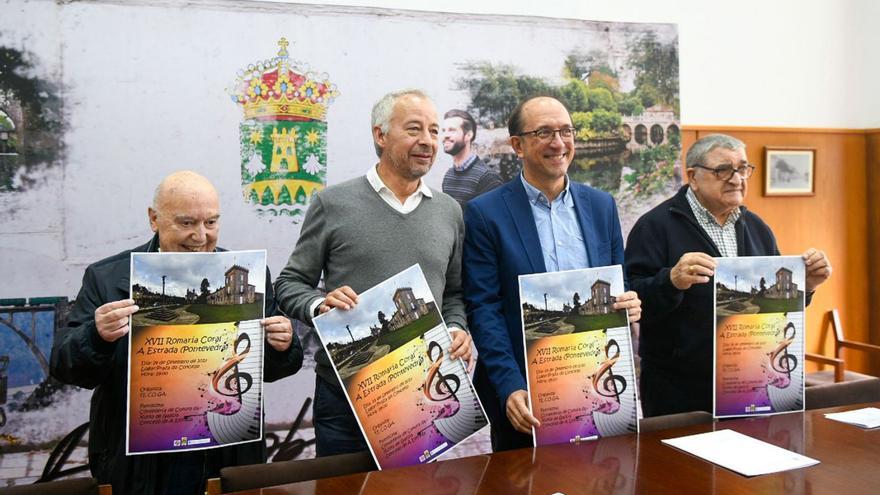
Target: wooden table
{"x": 850, "y": 464}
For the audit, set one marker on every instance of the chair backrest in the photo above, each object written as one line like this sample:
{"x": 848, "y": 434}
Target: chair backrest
{"x": 278, "y": 473}
{"x": 657, "y": 423}
{"x": 840, "y": 342}
{"x": 75, "y": 486}
{"x": 843, "y": 393}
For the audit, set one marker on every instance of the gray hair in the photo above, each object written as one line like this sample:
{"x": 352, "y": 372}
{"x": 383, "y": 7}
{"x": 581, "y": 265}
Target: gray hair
{"x": 705, "y": 145}
{"x": 382, "y": 110}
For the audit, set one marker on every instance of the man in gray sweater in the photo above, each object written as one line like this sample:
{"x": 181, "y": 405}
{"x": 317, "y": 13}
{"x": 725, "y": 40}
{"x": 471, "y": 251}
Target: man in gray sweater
{"x": 362, "y": 231}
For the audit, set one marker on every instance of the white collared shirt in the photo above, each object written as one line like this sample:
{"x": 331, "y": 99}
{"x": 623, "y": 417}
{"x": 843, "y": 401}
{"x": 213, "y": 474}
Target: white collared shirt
{"x": 724, "y": 236}
{"x": 411, "y": 203}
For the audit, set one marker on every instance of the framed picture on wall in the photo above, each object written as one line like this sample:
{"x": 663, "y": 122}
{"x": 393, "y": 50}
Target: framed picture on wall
{"x": 789, "y": 171}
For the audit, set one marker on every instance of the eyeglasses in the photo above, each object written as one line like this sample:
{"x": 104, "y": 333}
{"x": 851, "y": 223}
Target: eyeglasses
{"x": 725, "y": 172}
{"x": 545, "y": 134}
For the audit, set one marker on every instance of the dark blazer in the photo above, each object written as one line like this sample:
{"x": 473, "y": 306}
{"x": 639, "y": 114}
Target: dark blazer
{"x": 501, "y": 242}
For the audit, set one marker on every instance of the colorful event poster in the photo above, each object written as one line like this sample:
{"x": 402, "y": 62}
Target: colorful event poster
{"x": 579, "y": 357}
{"x": 195, "y": 373}
{"x": 410, "y": 399}
{"x": 759, "y": 335}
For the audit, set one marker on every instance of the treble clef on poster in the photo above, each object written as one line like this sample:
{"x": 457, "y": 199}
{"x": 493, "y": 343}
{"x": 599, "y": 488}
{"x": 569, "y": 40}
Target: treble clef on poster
{"x": 445, "y": 386}
{"x": 611, "y": 385}
{"x": 780, "y": 359}
{"x": 235, "y": 383}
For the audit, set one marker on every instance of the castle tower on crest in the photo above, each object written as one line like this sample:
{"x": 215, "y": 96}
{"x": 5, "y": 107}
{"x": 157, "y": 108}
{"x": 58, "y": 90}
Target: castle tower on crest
{"x": 284, "y": 151}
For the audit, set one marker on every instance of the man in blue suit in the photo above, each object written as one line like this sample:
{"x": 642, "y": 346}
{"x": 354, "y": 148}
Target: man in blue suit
{"x": 538, "y": 222}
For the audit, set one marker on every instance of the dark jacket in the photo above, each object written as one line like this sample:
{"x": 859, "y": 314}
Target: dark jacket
{"x": 80, "y": 357}
{"x": 676, "y": 336}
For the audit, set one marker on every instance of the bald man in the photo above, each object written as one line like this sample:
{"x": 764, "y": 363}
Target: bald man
{"x": 92, "y": 351}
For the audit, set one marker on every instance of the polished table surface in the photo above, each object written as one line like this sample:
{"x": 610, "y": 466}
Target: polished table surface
{"x": 849, "y": 455}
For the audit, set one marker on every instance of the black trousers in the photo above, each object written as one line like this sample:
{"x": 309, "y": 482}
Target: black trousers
{"x": 668, "y": 392}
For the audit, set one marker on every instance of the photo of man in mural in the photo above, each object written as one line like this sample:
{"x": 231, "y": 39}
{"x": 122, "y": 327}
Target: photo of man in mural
{"x": 469, "y": 176}
{"x": 364, "y": 230}
{"x": 562, "y": 224}
{"x": 92, "y": 351}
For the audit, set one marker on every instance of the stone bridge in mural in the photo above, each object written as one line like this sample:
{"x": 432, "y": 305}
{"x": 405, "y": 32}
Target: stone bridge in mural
{"x": 655, "y": 126}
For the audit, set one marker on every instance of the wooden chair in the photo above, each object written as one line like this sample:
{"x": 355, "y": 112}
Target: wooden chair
{"x": 233, "y": 479}
{"x": 74, "y": 486}
{"x": 843, "y": 393}
{"x": 657, "y": 423}
{"x": 839, "y": 373}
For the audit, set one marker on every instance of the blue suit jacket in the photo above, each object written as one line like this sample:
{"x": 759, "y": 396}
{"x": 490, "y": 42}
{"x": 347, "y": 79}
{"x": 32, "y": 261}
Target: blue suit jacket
{"x": 501, "y": 242}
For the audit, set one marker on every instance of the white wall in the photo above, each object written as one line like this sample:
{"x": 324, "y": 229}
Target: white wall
{"x": 775, "y": 63}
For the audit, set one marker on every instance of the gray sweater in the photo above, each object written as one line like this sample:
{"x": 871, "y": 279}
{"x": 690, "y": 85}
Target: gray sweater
{"x": 358, "y": 240}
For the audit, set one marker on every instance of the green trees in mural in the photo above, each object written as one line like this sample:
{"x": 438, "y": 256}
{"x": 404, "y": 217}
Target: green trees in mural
{"x": 284, "y": 196}
{"x": 599, "y": 123}
{"x": 35, "y": 102}
{"x": 268, "y": 197}
{"x": 656, "y": 71}
{"x": 495, "y": 90}
{"x": 592, "y": 86}
{"x": 301, "y": 196}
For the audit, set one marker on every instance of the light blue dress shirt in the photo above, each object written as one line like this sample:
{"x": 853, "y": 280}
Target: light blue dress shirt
{"x": 559, "y": 230}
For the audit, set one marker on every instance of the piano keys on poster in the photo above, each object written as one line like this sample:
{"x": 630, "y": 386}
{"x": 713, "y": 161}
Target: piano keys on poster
{"x": 195, "y": 355}
{"x": 412, "y": 402}
{"x": 579, "y": 362}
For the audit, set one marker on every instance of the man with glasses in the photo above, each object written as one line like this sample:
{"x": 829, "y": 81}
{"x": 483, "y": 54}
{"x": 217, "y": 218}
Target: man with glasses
{"x": 669, "y": 257}
{"x": 538, "y": 222}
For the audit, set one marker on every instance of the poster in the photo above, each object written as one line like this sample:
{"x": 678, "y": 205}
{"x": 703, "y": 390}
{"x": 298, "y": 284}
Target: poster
{"x": 411, "y": 401}
{"x": 759, "y": 335}
{"x": 195, "y": 351}
{"x": 579, "y": 358}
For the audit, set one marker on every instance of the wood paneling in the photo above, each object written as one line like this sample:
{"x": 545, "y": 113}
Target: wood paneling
{"x": 836, "y": 220}
{"x": 872, "y": 153}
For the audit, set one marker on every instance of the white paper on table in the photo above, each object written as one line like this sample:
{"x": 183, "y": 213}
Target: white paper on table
{"x": 867, "y": 417}
{"x": 740, "y": 453}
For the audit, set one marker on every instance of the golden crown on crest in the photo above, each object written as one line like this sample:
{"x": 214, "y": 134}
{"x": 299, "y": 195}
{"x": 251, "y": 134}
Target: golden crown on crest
{"x": 279, "y": 89}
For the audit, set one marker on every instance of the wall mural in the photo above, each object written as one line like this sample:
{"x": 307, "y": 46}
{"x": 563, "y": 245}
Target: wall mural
{"x": 109, "y": 98}
{"x": 31, "y": 124}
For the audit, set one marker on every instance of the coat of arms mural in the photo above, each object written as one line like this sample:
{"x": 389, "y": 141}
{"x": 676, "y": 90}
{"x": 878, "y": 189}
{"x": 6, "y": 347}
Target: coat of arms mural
{"x": 283, "y": 134}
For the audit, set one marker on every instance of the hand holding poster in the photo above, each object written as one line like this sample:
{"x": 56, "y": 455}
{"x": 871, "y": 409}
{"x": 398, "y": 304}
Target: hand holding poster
{"x": 390, "y": 352}
{"x": 195, "y": 354}
{"x": 759, "y": 335}
{"x": 578, "y": 355}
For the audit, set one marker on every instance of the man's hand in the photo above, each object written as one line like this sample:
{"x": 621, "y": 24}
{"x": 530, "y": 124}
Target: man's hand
{"x": 630, "y": 301}
{"x": 461, "y": 347}
{"x": 692, "y": 268}
{"x": 518, "y": 412}
{"x": 279, "y": 332}
{"x": 343, "y": 298}
{"x": 818, "y": 268}
{"x": 111, "y": 319}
